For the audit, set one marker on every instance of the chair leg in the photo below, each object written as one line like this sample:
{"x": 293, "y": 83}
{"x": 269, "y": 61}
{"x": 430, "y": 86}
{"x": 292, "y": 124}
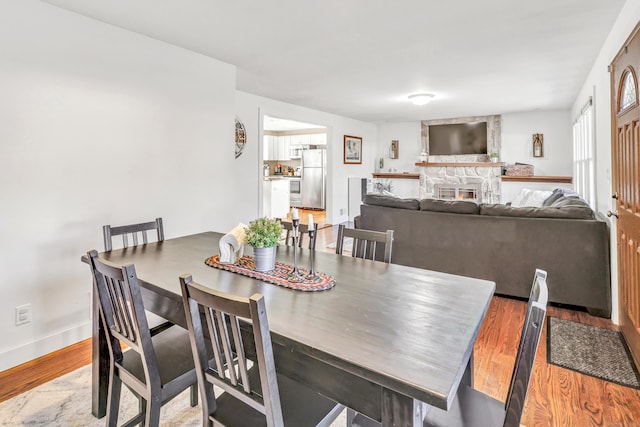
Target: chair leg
{"x": 194, "y": 395}
{"x": 351, "y": 414}
{"x": 138, "y": 420}
{"x": 142, "y": 403}
{"x": 113, "y": 400}
{"x": 153, "y": 414}
{"x": 142, "y": 407}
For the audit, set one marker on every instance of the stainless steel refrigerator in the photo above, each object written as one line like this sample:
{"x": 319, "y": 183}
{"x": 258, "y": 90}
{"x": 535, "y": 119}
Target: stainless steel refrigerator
{"x": 312, "y": 185}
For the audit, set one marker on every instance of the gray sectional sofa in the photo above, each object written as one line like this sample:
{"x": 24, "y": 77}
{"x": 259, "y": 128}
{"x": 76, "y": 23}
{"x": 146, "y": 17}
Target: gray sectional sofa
{"x": 502, "y": 243}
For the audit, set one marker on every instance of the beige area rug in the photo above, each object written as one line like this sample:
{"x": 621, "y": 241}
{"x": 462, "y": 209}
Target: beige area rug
{"x": 66, "y": 401}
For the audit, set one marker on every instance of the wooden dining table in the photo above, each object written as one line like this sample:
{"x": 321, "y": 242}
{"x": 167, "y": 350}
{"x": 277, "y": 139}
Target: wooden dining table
{"x": 388, "y": 341}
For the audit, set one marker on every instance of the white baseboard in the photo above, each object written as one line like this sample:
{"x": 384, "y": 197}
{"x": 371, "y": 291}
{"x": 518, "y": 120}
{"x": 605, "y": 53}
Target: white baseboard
{"x": 24, "y": 353}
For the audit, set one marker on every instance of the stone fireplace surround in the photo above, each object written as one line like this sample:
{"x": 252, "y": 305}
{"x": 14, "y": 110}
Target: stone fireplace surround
{"x": 474, "y": 170}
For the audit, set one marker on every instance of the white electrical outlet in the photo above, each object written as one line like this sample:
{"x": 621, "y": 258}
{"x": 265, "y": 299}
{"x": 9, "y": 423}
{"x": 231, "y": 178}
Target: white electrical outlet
{"x": 23, "y": 314}
{"x": 342, "y": 211}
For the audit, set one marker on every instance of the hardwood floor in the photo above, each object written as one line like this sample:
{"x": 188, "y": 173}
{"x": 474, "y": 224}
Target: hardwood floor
{"x": 38, "y": 371}
{"x": 557, "y": 396}
{"x": 319, "y": 217}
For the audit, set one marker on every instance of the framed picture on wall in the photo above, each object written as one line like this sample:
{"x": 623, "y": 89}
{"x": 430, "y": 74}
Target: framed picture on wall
{"x": 352, "y": 149}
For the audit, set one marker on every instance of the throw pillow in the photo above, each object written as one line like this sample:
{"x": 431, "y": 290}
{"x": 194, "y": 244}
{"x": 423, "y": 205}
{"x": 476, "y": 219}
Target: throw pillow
{"x": 560, "y": 193}
{"x": 520, "y": 197}
{"x": 530, "y": 198}
{"x": 536, "y": 198}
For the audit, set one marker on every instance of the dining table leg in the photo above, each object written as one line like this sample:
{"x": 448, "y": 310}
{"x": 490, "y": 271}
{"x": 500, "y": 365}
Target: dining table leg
{"x": 401, "y": 410}
{"x": 467, "y": 377}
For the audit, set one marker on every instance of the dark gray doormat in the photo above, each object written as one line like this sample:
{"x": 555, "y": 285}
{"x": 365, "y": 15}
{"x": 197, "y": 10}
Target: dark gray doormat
{"x": 601, "y": 353}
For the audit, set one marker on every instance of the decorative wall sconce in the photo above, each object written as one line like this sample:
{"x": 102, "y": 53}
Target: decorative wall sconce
{"x": 394, "y": 150}
{"x": 538, "y": 140}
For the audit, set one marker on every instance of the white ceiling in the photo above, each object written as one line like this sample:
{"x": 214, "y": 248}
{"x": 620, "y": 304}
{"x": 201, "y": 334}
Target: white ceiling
{"x": 362, "y": 58}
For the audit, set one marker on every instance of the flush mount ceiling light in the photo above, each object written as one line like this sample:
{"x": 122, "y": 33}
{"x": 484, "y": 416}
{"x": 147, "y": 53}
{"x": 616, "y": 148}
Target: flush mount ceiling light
{"x": 421, "y": 98}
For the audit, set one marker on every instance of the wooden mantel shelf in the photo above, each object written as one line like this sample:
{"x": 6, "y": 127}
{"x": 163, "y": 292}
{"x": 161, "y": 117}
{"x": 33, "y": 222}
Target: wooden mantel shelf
{"x": 395, "y": 175}
{"x": 560, "y": 179}
{"x": 461, "y": 164}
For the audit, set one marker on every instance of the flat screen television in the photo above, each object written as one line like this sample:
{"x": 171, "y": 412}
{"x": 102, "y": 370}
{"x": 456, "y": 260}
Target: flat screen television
{"x": 461, "y": 138}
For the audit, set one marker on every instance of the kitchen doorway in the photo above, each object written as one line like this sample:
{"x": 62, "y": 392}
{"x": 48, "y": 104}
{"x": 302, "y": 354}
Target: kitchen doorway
{"x": 294, "y": 152}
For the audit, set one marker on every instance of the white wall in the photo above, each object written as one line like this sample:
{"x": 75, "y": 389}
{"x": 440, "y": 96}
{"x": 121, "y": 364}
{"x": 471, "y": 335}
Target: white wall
{"x": 517, "y": 147}
{"x": 555, "y": 125}
{"x": 250, "y": 108}
{"x": 408, "y": 134}
{"x": 597, "y": 84}
{"x": 98, "y": 125}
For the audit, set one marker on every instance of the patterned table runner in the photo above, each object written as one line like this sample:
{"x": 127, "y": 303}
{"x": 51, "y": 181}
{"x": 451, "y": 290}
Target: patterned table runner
{"x": 279, "y": 276}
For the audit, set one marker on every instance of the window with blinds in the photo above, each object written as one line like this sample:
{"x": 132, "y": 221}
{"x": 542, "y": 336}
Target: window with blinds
{"x": 584, "y": 172}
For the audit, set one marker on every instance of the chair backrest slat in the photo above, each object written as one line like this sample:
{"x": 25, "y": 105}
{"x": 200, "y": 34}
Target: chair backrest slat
{"x": 240, "y": 354}
{"x": 229, "y": 310}
{"x": 132, "y": 231}
{"x": 527, "y": 348}
{"x": 119, "y": 306}
{"x": 365, "y": 242}
{"x": 215, "y": 341}
{"x": 226, "y": 346}
{"x": 122, "y": 310}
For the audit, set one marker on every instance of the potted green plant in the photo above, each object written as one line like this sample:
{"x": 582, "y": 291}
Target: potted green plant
{"x": 494, "y": 157}
{"x": 263, "y": 234}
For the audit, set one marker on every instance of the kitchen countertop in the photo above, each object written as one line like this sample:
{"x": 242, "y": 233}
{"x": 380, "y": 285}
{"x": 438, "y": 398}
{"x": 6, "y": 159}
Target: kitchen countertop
{"x": 270, "y": 177}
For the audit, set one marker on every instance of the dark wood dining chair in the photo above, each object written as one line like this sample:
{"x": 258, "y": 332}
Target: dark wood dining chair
{"x": 155, "y": 369}
{"x": 367, "y": 244}
{"x": 303, "y": 230}
{"x": 132, "y": 230}
{"x": 251, "y": 396}
{"x": 474, "y": 408}
{"x": 156, "y": 323}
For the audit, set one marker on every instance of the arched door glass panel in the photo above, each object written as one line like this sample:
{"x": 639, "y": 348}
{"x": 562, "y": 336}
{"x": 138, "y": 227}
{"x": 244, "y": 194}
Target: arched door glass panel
{"x": 629, "y": 95}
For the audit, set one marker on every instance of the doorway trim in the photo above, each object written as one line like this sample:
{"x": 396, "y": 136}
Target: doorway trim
{"x": 330, "y": 147}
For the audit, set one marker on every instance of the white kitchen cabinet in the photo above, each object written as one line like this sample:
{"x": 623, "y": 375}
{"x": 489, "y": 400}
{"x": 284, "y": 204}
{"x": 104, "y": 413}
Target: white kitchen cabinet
{"x": 267, "y": 148}
{"x": 300, "y": 139}
{"x": 281, "y": 144}
{"x": 285, "y": 147}
{"x": 276, "y": 147}
{"x": 318, "y": 139}
{"x": 276, "y": 198}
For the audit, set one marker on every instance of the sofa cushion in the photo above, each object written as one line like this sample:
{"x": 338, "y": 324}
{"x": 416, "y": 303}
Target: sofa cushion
{"x": 391, "y": 202}
{"x": 568, "y": 212}
{"x": 451, "y": 206}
